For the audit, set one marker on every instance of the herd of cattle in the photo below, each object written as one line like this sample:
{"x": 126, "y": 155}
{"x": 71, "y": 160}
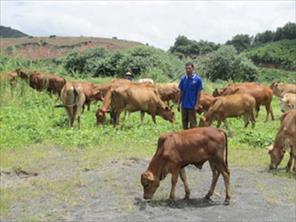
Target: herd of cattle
{"x": 193, "y": 146}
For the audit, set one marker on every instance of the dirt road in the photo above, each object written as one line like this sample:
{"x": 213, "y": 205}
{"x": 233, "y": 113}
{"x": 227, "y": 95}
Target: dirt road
{"x": 112, "y": 192}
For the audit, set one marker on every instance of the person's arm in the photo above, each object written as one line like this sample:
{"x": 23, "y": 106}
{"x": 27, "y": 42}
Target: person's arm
{"x": 181, "y": 93}
{"x": 200, "y": 88}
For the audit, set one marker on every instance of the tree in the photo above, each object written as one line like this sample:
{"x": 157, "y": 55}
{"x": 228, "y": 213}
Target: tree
{"x": 240, "y": 42}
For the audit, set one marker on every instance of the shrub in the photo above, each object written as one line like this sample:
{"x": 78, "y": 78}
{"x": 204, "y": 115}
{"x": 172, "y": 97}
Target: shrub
{"x": 227, "y": 64}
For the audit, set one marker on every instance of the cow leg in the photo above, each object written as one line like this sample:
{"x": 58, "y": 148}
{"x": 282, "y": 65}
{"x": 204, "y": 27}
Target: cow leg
{"x": 175, "y": 175}
{"x": 215, "y": 177}
{"x": 153, "y": 119}
{"x": 142, "y": 117}
{"x": 226, "y": 176}
{"x": 69, "y": 113}
{"x": 252, "y": 117}
{"x": 185, "y": 182}
{"x": 257, "y": 111}
{"x": 88, "y": 106}
{"x": 74, "y": 114}
{"x": 246, "y": 119}
{"x": 288, "y": 167}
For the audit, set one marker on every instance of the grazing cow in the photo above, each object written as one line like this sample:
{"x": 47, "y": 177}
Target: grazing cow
{"x": 262, "y": 95}
{"x": 146, "y": 80}
{"x": 285, "y": 139}
{"x": 204, "y": 103}
{"x": 73, "y": 99}
{"x": 279, "y": 89}
{"x": 139, "y": 98}
{"x": 101, "y": 112}
{"x": 230, "y": 106}
{"x": 168, "y": 92}
{"x": 288, "y": 102}
{"x": 50, "y": 82}
{"x": 178, "y": 149}
{"x": 91, "y": 92}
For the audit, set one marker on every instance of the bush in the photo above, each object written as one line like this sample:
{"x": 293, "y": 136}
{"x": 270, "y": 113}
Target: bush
{"x": 227, "y": 64}
{"x": 140, "y": 60}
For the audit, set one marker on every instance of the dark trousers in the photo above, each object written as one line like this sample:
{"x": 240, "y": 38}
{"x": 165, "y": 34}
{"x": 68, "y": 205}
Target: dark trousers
{"x": 188, "y": 118}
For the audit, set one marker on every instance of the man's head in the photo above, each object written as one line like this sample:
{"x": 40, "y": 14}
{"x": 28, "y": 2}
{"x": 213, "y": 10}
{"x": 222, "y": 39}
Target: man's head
{"x": 189, "y": 67}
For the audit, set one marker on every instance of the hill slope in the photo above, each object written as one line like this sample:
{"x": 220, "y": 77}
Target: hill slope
{"x": 7, "y": 32}
{"x": 55, "y": 47}
{"x": 280, "y": 54}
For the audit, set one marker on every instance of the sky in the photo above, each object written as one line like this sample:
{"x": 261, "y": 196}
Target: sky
{"x": 157, "y": 23}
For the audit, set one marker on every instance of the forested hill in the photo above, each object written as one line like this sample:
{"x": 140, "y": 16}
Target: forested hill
{"x": 7, "y": 32}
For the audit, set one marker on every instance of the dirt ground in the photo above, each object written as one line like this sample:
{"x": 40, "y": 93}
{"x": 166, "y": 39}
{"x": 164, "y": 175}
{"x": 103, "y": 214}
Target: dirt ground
{"x": 112, "y": 192}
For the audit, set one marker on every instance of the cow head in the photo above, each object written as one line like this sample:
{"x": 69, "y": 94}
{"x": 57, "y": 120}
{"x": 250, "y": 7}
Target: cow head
{"x": 276, "y": 156}
{"x": 101, "y": 116}
{"x": 199, "y": 109}
{"x": 96, "y": 95}
{"x": 286, "y": 105}
{"x": 168, "y": 114}
{"x": 204, "y": 122}
{"x": 149, "y": 183}
{"x": 22, "y": 74}
{"x": 217, "y": 92}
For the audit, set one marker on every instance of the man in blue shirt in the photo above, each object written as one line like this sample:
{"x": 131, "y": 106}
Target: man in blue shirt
{"x": 190, "y": 86}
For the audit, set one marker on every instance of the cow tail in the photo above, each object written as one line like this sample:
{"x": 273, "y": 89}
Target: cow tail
{"x": 75, "y": 92}
{"x": 226, "y": 149}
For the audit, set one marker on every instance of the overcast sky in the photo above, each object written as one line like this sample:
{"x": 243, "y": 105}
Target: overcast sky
{"x": 157, "y": 23}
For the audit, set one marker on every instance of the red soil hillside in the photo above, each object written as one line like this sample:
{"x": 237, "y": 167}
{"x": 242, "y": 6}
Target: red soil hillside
{"x": 55, "y": 47}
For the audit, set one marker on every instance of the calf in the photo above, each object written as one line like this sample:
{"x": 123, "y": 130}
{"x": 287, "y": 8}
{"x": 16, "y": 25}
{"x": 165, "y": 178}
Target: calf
{"x": 168, "y": 92}
{"x": 178, "y": 149}
{"x": 73, "y": 99}
{"x": 285, "y": 139}
{"x": 288, "y": 102}
{"x": 204, "y": 103}
{"x": 230, "y": 106}
{"x": 139, "y": 98}
{"x": 262, "y": 95}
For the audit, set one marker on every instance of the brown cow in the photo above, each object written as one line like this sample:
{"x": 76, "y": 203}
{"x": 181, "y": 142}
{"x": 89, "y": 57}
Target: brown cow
{"x": 39, "y": 81}
{"x": 73, "y": 99}
{"x": 139, "y": 98}
{"x": 101, "y": 112}
{"x": 284, "y": 140}
{"x": 178, "y": 149}
{"x": 204, "y": 103}
{"x": 262, "y": 95}
{"x": 279, "y": 89}
{"x": 168, "y": 92}
{"x": 230, "y": 106}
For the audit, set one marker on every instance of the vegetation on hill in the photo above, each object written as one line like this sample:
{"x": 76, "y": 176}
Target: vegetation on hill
{"x": 281, "y": 54}
{"x": 7, "y": 32}
{"x": 142, "y": 61}
{"x": 184, "y": 47}
{"x": 227, "y": 64}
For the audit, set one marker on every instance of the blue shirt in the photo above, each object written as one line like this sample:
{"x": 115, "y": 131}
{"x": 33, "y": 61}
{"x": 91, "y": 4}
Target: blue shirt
{"x": 190, "y": 86}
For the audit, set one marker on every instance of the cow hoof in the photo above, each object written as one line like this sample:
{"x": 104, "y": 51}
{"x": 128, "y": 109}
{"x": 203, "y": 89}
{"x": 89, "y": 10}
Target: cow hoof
{"x": 226, "y": 202}
{"x": 172, "y": 203}
{"x": 186, "y": 197}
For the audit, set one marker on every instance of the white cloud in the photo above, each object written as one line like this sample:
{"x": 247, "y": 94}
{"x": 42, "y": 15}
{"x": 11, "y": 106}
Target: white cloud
{"x": 157, "y": 23}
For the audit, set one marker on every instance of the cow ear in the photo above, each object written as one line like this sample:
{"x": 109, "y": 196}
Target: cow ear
{"x": 269, "y": 148}
{"x": 148, "y": 176}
